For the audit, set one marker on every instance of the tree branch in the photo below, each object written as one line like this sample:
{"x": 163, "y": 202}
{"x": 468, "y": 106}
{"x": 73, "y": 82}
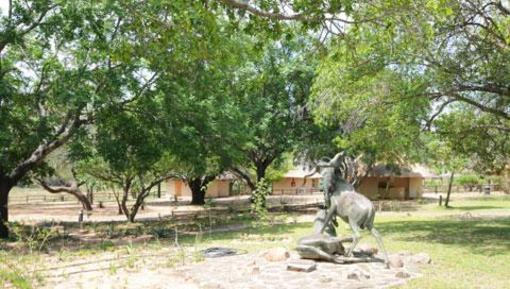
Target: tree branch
{"x": 258, "y": 12}
{"x": 72, "y": 189}
{"x": 244, "y": 176}
{"x": 63, "y": 134}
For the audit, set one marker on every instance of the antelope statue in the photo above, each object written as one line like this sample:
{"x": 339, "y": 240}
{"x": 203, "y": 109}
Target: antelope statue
{"x": 343, "y": 201}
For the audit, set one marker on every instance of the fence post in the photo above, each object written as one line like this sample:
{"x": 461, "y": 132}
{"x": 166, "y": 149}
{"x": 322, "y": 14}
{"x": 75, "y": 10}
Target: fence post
{"x": 440, "y": 200}
{"x": 159, "y": 191}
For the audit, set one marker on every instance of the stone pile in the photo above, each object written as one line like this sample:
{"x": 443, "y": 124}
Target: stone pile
{"x": 280, "y": 269}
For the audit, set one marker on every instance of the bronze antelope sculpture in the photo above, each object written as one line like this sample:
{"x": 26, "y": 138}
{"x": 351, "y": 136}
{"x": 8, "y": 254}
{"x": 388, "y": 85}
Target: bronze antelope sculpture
{"x": 343, "y": 201}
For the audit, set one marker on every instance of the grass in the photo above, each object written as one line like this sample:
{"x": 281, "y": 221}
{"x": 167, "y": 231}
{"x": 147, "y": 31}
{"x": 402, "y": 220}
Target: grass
{"x": 469, "y": 243}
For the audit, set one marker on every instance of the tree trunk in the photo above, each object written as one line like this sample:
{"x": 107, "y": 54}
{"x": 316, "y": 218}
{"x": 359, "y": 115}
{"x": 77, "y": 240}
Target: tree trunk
{"x": 5, "y": 188}
{"x": 71, "y": 188}
{"x": 133, "y": 212}
{"x": 198, "y": 187}
{"x": 85, "y": 202}
{"x": 197, "y": 191}
{"x": 261, "y": 171}
{"x": 123, "y": 204}
{"x": 447, "y": 201}
{"x": 90, "y": 194}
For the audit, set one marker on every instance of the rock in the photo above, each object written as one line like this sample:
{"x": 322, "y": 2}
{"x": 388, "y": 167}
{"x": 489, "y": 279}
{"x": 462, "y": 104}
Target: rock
{"x": 402, "y": 274}
{"x": 395, "y": 261}
{"x": 276, "y": 254}
{"x": 358, "y": 275}
{"x": 211, "y": 285}
{"x": 421, "y": 258}
{"x": 368, "y": 249}
{"x": 325, "y": 279}
{"x": 301, "y": 266}
{"x": 353, "y": 276}
{"x": 255, "y": 270}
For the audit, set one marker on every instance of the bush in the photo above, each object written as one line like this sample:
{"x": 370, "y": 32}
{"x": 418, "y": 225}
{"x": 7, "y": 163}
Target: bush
{"x": 468, "y": 180}
{"x": 258, "y": 206}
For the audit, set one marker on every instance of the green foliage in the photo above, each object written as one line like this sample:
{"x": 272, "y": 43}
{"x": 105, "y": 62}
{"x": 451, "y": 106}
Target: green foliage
{"x": 272, "y": 90}
{"x": 36, "y": 238}
{"x": 441, "y": 156}
{"x": 480, "y": 137}
{"x": 468, "y": 180}
{"x": 60, "y": 94}
{"x": 375, "y": 113}
{"x": 386, "y": 78}
{"x": 15, "y": 278}
{"x": 258, "y": 206}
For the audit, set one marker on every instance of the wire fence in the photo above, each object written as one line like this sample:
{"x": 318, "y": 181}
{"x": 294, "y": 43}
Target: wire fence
{"x": 35, "y": 195}
{"x": 462, "y": 188}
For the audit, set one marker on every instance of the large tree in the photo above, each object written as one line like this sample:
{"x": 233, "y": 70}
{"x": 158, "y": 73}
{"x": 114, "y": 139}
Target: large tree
{"x": 443, "y": 51}
{"x": 67, "y": 64}
{"x": 272, "y": 91}
{"x": 60, "y": 63}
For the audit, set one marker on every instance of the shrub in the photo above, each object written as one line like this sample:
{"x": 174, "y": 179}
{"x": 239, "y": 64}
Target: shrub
{"x": 258, "y": 206}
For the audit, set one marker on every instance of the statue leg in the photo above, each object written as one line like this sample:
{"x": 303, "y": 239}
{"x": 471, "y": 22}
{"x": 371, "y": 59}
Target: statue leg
{"x": 314, "y": 253}
{"x": 356, "y": 236}
{"x": 328, "y": 218}
{"x": 378, "y": 238}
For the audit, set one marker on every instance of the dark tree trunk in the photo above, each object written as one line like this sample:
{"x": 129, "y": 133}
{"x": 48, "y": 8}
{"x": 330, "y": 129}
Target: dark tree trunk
{"x": 198, "y": 187}
{"x": 134, "y": 210}
{"x": 261, "y": 171}
{"x": 197, "y": 192}
{"x": 85, "y": 202}
{"x": 447, "y": 201}
{"x": 90, "y": 194}
{"x": 5, "y": 188}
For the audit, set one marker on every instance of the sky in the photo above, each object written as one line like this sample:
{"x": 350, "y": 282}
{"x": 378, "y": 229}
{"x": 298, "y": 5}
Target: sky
{"x": 4, "y": 4}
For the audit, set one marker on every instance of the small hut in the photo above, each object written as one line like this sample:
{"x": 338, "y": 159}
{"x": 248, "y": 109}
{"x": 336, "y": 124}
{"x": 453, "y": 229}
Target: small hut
{"x": 294, "y": 183}
{"x": 219, "y": 187}
{"x": 390, "y": 182}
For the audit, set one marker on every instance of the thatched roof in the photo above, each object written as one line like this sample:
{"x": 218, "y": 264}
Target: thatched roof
{"x": 413, "y": 171}
{"x": 381, "y": 170}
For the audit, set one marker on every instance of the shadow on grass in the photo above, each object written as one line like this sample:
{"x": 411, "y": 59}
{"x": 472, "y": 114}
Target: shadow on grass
{"x": 475, "y": 208}
{"x": 486, "y": 237}
{"x": 48, "y": 237}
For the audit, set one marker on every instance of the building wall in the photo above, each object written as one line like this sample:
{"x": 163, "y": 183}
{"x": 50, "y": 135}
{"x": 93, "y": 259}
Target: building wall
{"x": 399, "y": 188}
{"x": 216, "y": 188}
{"x": 291, "y": 186}
{"x": 415, "y": 188}
{"x": 369, "y": 187}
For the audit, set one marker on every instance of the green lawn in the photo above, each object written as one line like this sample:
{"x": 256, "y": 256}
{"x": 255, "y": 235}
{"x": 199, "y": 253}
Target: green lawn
{"x": 469, "y": 243}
